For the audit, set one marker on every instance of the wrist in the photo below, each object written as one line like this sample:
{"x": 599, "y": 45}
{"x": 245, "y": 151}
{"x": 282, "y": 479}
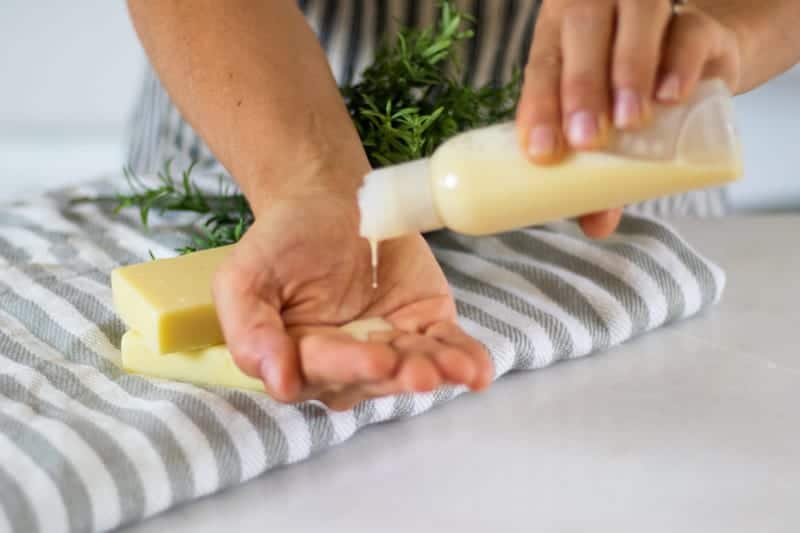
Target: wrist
{"x": 338, "y": 181}
{"x": 313, "y": 176}
{"x": 326, "y": 157}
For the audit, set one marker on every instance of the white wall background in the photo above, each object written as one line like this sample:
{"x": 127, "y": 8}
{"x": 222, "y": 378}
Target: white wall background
{"x": 769, "y": 123}
{"x": 70, "y": 70}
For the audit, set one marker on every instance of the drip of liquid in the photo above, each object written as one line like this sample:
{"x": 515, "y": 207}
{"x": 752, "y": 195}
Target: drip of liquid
{"x": 373, "y": 246}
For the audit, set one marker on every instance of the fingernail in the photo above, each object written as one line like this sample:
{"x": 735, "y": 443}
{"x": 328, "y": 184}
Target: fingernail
{"x": 542, "y": 141}
{"x": 270, "y": 374}
{"x": 627, "y": 108}
{"x": 670, "y": 89}
{"x": 583, "y": 129}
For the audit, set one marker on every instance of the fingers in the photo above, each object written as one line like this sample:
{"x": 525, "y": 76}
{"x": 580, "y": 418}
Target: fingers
{"x": 591, "y": 60}
{"x": 341, "y": 371}
{"x": 442, "y": 354}
{"x": 254, "y": 331}
{"x": 586, "y": 39}
{"x": 600, "y": 225}
{"x": 685, "y": 55}
{"x": 418, "y": 373}
{"x": 696, "y": 47}
{"x": 455, "y": 366}
{"x": 592, "y": 50}
{"x": 341, "y": 360}
{"x": 453, "y": 336}
{"x": 451, "y": 364}
{"x": 539, "y": 110}
{"x": 641, "y": 25}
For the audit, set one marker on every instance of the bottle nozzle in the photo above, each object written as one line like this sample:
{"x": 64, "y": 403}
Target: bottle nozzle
{"x": 397, "y": 200}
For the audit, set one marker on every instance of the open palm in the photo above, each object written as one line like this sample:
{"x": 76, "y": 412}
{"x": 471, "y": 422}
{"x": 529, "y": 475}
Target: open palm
{"x": 301, "y": 271}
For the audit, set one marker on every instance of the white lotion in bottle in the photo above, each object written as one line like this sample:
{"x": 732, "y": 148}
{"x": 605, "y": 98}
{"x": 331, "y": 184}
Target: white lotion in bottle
{"x": 479, "y": 182}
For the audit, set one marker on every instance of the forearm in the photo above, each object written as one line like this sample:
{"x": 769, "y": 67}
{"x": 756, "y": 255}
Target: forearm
{"x": 252, "y": 79}
{"x": 768, "y": 35}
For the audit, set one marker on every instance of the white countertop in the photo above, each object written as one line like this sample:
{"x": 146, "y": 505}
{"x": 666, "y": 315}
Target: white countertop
{"x": 692, "y": 428}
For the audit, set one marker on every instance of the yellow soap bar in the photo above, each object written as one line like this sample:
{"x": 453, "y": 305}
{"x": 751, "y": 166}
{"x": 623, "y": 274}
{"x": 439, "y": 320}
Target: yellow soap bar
{"x": 206, "y": 366}
{"x": 212, "y": 365}
{"x": 168, "y": 302}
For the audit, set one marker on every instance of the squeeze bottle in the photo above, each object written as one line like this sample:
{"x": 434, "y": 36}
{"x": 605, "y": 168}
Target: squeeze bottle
{"x": 479, "y": 182}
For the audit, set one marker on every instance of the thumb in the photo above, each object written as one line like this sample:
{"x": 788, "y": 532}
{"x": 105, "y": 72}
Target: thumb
{"x": 254, "y": 331}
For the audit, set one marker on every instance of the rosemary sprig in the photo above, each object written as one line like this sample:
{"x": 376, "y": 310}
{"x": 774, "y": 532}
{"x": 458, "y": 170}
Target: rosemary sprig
{"x": 412, "y": 97}
{"x": 225, "y": 215}
{"x": 408, "y": 102}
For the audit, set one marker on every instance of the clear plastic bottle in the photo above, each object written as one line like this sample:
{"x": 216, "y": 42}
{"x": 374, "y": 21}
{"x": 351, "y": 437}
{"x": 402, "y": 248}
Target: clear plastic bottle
{"x": 479, "y": 182}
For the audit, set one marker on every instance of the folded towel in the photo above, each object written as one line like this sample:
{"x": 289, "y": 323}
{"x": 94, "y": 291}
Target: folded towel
{"x": 86, "y": 447}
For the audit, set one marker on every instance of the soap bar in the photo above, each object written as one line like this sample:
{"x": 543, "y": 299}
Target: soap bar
{"x": 168, "y": 302}
{"x": 206, "y": 366}
{"x": 212, "y": 365}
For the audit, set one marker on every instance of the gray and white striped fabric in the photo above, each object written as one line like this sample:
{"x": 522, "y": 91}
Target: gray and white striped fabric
{"x": 85, "y": 447}
{"x": 350, "y": 31}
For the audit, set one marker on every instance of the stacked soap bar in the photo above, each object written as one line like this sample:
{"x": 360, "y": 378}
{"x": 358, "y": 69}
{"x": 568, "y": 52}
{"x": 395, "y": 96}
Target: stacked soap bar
{"x": 174, "y": 332}
{"x": 212, "y": 365}
{"x": 168, "y": 301}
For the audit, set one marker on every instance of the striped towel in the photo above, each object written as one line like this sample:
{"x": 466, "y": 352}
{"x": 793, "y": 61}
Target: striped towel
{"x": 85, "y": 447}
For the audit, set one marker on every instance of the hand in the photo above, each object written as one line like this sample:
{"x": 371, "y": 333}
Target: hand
{"x": 301, "y": 271}
{"x": 597, "y": 62}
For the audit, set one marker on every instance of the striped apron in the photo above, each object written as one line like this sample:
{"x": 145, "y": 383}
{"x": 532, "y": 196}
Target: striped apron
{"x": 349, "y": 31}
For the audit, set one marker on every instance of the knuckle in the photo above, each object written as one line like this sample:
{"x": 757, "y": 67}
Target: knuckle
{"x": 378, "y": 367}
{"x": 440, "y": 329}
{"x": 689, "y": 39}
{"x": 452, "y": 355}
{"x": 581, "y": 85}
{"x": 544, "y": 111}
{"x": 543, "y": 62}
{"x": 541, "y": 103}
{"x": 695, "y": 24}
{"x": 581, "y": 12}
{"x": 632, "y": 71}
{"x": 424, "y": 383}
{"x": 658, "y": 10}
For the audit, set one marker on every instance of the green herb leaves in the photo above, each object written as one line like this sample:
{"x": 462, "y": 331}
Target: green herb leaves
{"x": 411, "y": 99}
{"x": 226, "y": 215}
{"x": 408, "y": 102}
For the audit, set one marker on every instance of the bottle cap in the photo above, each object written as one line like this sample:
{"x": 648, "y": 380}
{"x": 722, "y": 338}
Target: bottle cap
{"x": 398, "y": 200}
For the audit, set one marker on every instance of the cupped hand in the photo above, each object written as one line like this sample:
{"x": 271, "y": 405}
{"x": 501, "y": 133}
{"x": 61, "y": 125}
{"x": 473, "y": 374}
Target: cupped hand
{"x": 598, "y": 63}
{"x": 301, "y": 271}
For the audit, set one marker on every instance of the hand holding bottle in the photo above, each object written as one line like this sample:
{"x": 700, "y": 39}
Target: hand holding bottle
{"x": 595, "y": 64}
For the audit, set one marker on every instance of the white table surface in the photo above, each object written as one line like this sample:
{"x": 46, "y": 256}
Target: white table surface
{"x": 692, "y": 428}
